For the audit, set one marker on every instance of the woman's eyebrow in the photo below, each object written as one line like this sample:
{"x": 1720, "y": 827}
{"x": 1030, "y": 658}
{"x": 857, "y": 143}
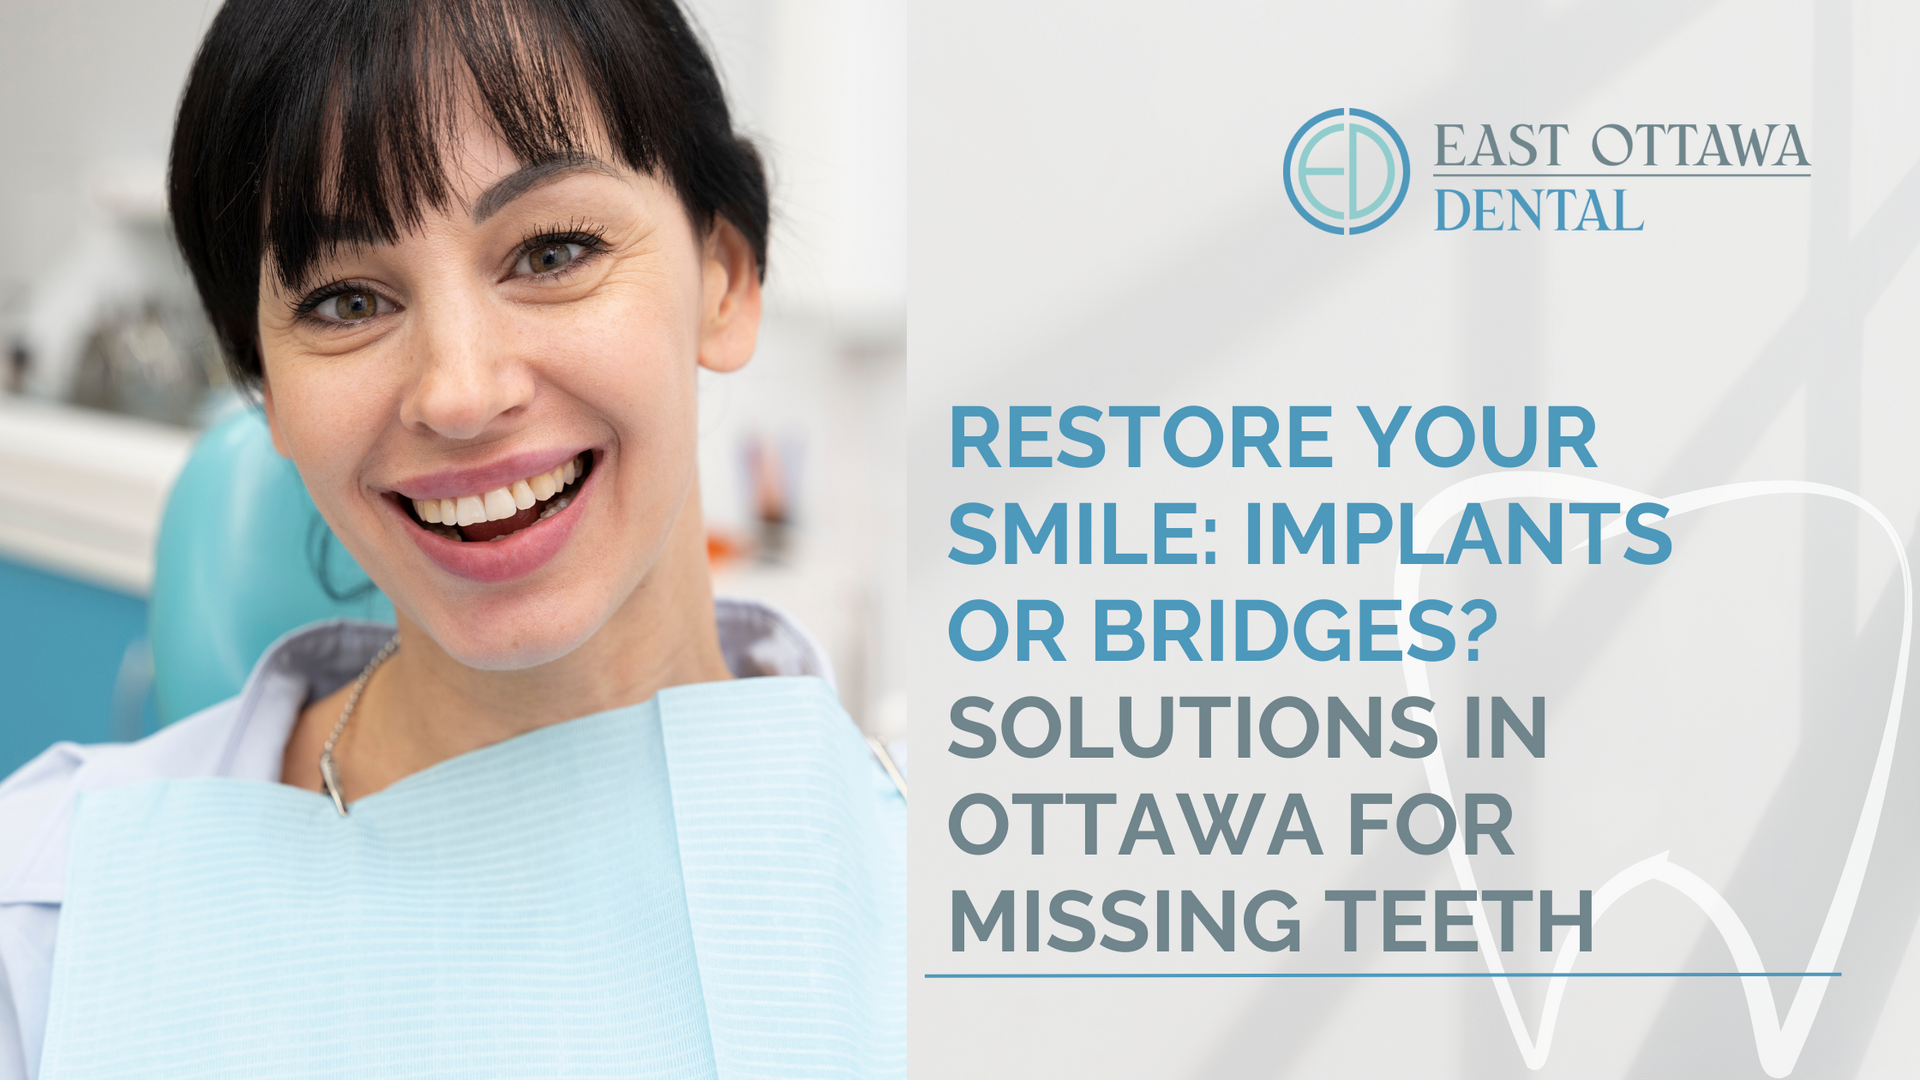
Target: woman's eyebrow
{"x": 533, "y": 175}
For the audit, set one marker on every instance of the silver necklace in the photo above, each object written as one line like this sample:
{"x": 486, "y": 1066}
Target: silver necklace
{"x": 329, "y": 772}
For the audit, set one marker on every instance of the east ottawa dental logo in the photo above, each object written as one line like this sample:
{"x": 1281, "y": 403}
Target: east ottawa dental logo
{"x": 1492, "y": 182}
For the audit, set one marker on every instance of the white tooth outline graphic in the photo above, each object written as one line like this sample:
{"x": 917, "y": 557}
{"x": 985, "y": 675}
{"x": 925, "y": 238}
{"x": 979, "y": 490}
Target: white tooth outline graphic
{"x": 1778, "y": 1044}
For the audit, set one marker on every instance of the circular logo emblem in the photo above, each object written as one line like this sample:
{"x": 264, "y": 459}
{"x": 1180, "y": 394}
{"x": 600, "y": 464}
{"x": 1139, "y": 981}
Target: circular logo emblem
{"x": 1347, "y": 171}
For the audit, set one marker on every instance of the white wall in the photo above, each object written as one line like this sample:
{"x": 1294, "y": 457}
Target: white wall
{"x": 822, "y": 87}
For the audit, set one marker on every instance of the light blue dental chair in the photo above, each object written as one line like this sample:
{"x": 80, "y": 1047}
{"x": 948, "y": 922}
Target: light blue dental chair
{"x": 243, "y": 558}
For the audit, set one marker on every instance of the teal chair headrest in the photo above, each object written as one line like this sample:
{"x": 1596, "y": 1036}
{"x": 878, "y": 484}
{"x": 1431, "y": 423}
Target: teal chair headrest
{"x": 243, "y": 558}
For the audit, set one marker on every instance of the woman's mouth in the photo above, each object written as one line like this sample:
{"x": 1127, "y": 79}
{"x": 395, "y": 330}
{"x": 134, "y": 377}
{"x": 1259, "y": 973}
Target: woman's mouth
{"x": 497, "y": 514}
{"x": 502, "y": 533}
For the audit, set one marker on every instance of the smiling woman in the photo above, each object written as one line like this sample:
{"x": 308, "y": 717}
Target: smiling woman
{"x": 472, "y": 254}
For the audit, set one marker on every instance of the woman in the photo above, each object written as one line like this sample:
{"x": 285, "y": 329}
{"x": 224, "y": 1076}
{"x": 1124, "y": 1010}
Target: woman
{"x": 472, "y": 252}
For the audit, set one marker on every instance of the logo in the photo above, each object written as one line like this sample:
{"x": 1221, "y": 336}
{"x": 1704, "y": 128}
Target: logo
{"x": 1347, "y": 171}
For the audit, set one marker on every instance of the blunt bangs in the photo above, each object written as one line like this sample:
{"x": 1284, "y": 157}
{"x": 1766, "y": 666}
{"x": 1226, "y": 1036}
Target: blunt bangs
{"x": 306, "y": 125}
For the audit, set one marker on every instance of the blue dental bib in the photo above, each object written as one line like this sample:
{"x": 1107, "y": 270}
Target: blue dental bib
{"x": 709, "y": 884}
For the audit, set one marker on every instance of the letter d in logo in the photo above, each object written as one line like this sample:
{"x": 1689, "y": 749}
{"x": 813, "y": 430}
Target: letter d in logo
{"x": 1347, "y": 171}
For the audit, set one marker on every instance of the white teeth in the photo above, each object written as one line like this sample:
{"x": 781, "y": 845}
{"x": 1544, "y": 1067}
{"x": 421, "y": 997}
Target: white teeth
{"x": 500, "y": 504}
{"x": 503, "y": 502}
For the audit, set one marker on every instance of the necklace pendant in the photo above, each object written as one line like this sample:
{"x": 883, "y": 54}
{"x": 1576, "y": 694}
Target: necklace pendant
{"x": 329, "y": 775}
{"x": 330, "y": 779}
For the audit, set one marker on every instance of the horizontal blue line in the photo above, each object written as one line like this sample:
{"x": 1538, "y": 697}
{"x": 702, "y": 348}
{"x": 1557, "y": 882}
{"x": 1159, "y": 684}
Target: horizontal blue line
{"x": 1385, "y": 975}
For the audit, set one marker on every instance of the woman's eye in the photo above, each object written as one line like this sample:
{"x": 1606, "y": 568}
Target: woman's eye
{"x": 350, "y": 306}
{"x": 548, "y": 256}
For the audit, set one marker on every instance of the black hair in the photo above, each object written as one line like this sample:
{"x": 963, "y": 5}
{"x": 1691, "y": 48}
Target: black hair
{"x": 307, "y": 124}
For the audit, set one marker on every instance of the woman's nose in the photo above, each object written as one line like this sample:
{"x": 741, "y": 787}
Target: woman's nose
{"x": 467, "y": 372}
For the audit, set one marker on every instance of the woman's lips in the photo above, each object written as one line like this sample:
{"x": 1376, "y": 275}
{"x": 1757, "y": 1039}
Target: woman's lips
{"x": 502, "y": 503}
{"x": 454, "y": 483}
{"x": 515, "y": 553}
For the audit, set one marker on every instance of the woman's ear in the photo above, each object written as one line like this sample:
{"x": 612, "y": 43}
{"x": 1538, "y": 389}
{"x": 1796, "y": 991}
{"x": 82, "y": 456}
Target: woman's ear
{"x": 273, "y": 425}
{"x": 730, "y": 298}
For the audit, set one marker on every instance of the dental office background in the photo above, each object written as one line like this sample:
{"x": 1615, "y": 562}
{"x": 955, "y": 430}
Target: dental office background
{"x": 107, "y": 370}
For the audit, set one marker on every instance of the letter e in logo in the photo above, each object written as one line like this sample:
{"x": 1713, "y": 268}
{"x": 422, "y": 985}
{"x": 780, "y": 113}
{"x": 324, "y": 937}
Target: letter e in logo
{"x": 1347, "y": 171}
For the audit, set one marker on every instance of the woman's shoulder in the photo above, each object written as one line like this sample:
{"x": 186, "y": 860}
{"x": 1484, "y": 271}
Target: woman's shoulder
{"x": 36, "y": 802}
{"x": 243, "y": 737}
{"x": 759, "y": 638}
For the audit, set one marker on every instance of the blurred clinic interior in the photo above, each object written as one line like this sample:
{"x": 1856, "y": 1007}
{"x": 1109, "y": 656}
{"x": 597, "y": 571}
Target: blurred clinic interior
{"x": 110, "y": 373}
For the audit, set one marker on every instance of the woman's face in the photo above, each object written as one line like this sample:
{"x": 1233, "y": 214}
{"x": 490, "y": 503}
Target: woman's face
{"x": 496, "y": 414}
